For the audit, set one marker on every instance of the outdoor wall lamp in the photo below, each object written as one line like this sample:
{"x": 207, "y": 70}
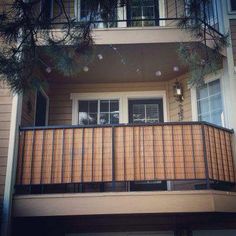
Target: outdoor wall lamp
{"x": 178, "y": 94}
{"x": 178, "y": 91}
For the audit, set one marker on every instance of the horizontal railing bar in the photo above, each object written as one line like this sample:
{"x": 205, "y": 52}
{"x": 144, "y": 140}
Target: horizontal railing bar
{"x": 125, "y": 125}
{"x": 138, "y": 182}
{"x": 140, "y": 20}
{"x": 97, "y": 182}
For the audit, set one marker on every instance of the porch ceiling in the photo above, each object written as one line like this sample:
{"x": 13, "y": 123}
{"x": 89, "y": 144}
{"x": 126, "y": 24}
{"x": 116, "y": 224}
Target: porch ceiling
{"x": 126, "y": 63}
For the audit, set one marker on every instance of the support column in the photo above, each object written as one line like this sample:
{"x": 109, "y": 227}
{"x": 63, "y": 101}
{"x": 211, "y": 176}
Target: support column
{"x": 11, "y": 164}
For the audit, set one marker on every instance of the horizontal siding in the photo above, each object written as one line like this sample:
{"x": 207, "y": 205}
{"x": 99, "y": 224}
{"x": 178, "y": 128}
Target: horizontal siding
{"x": 5, "y": 118}
{"x": 233, "y": 37}
{"x": 60, "y": 107}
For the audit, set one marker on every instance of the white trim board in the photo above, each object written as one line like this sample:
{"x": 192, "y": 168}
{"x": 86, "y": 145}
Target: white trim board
{"x": 123, "y": 98}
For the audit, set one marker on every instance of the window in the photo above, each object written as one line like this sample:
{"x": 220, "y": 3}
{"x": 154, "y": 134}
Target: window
{"x": 211, "y": 12}
{"x": 85, "y": 16}
{"x": 232, "y": 5}
{"x": 98, "y": 112}
{"x": 209, "y": 103}
{"x": 145, "y": 111}
{"x": 142, "y": 11}
{"x": 46, "y": 7}
{"x": 210, "y": 9}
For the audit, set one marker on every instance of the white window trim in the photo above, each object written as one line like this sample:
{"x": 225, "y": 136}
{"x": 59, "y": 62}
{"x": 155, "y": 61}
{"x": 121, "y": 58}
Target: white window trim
{"x": 162, "y": 12}
{"x": 123, "y": 98}
{"x": 207, "y": 79}
{"x": 229, "y": 8}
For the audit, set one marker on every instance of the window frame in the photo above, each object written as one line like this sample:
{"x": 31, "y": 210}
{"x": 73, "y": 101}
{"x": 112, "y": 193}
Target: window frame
{"x": 230, "y": 11}
{"x": 194, "y": 101}
{"x": 99, "y": 109}
{"x": 122, "y": 14}
{"x": 123, "y": 98}
{"x": 156, "y": 11}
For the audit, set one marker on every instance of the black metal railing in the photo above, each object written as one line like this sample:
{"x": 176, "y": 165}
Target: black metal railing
{"x": 139, "y": 157}
{"x": 165, "y": 13}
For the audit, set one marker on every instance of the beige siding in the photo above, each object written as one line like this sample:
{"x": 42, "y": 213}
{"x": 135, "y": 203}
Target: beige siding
{"x": 233, "y": 37}
{"x": 60, "y": 108}
{"x": 5, "y": 118}
{"x": 28, "y": 109}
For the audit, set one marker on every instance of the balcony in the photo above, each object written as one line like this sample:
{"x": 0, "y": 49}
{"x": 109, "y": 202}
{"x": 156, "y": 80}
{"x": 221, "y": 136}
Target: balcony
{"x": 158, "y": 19}
{"x": 58, "y": 159}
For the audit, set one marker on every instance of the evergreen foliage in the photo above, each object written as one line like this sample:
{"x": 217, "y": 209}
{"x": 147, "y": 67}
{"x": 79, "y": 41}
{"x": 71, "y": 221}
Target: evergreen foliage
{"x": 26, "y": 27}
{"x": 201, "y": 60}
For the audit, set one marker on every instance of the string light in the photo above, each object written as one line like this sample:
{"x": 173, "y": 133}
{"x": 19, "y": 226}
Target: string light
{"x": 85, "y": 69}
{"x": 48, "y": 69}
{"x": 100, "y": 57}
{"x": 176, "y": 68}
{"x": 158, "y": 73}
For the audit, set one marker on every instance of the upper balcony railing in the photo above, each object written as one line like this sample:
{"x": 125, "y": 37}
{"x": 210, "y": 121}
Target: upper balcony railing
{"x": 112, "y": 155}
{"x": 141, "y": 13}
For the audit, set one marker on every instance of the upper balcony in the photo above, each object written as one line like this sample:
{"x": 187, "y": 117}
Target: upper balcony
{"x": 153, "y": 21}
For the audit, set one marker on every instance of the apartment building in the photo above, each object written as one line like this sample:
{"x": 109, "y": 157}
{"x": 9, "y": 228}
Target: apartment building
{"x": 125, "y": 147}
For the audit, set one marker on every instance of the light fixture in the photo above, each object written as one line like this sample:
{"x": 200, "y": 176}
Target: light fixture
{"x": 138, "y": 70}
{"x": 203, "y": 62}
{"x": 85, "y": 69}
{"x": 158, "y": 73}
{"x": 123, "y": 61}
{"x": 178, "y": 94}
{"x": 100, "y": 57}
{"x": 175, "y": 68}
{"x": 178, "y": 91}
{"x": 48, "y": 69}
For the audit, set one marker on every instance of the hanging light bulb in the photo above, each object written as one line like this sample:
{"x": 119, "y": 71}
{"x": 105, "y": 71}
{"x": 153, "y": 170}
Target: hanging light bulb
{"x": 176, "y": 68}
{"x": 48, "y": 69}
{"x": 100, "y": 57}
{"x": 85, "y": 69}
{"x": 158, "y": 73}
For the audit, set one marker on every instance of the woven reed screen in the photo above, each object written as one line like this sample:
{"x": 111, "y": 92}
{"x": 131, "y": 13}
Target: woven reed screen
{"x": 124, "y": 153}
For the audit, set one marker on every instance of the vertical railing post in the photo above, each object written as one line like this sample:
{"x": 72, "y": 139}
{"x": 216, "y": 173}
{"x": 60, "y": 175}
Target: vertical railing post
{"x": 113, "y": 159}
{"x": 22, "y": 158}
{"x": 32, "y": 160}
{"x": 205, "y": 157}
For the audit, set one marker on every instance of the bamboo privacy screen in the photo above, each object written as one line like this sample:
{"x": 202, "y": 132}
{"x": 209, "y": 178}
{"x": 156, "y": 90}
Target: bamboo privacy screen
{"x": 124, "y": 153}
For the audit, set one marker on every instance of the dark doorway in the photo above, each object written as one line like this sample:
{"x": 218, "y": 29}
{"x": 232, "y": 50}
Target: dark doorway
{"x": 41, "y": 109}
{"x": 146, "y": 111}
